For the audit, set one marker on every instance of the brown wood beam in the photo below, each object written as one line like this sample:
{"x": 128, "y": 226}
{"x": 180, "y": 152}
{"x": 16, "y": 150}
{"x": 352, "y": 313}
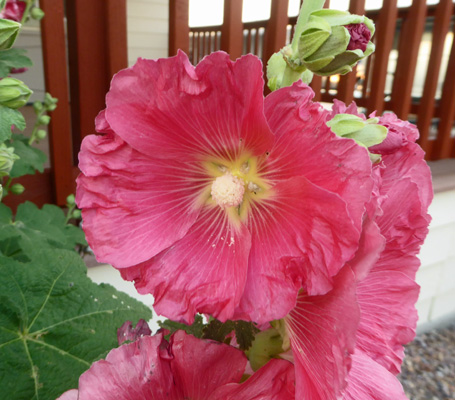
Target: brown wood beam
{"x": 232, "y": 29}
{"x": 179, "y": 30}
{"x": 56, "y": 82}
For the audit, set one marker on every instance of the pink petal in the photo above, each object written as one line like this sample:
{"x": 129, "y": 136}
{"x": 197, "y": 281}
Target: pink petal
{"x": 388, "y": 316}
{"x": 301, "y": 236}
{"x": 199, "y": 366}
{"x": 172, "y": 110}
{"x": 203, "y": 272}
{"x": 370, "y": 381}
{"x": 131, "y": 202}
{"x": 306, "y": 146}
{"x": 322, "y": 333}
{"x": 274, "y": 381}
{"x": 72, "y": 394}
{"x": 132, "y": 371}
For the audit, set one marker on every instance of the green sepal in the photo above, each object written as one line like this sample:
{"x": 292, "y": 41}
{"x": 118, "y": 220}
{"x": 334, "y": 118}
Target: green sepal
{"x": 369, "y": 135}
{"x": 344, "y": 124}
{"x": 311, "y": 42}
{"x": 338, "y": 18}
{"x": 336, "y": 43}
{"x": 267, "y": 344}
{"x": 8, "y": 33}
{"x": 342, "y": 63}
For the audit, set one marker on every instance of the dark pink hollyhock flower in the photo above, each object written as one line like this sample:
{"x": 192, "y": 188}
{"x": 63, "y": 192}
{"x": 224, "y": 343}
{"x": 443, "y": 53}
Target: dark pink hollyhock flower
{"x": 127, "y": 333}
{"x": 14, "y": 10}
{"x": 184, "y": 368}
{"x": 193, "y": 196}
{"x": 360, "y": 36}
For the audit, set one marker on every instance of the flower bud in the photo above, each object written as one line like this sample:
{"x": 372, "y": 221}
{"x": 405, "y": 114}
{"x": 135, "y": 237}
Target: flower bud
{"x": 17, "y": 188}
{"x": 41, "y": 134}
{"x": 51, "y": 107}
{"x": 37, "y": 106}
{"x": 76, "y": 214}
{"x": 48, "y": 99}
{"x": 333, "y": 41}
{"x": 37, "y": 13}
{"x": 14, "y": 10}
{"x": 7, "y": 158}
{"x": 44, "y": 119}
{"x": 8, "y": 33}
{"x": 13, "y": 93}
{"x": 70, "y": 200}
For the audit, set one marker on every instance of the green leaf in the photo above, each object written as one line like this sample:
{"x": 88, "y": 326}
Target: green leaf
{"x": 244, "y": 332}
{"x": 217, "y": 330}
{"x": 35, "y": 229}
{"x": 31, "y": 158}
{"x": 55, "y": 322}
{"x": 195, "y": 329}
{"x": 9, "y": 117}
{"x": 13, "y": 58}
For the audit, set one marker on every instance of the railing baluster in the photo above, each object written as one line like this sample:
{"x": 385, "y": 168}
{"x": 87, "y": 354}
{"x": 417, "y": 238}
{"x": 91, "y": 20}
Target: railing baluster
{"x": 444, "y": 143}
{"x": 384, "y": 40}
{"x": 408, "y": 51}
{"x": 426, "y": 108}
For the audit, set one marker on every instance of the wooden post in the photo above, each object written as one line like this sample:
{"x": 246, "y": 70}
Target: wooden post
{"x": 384, "y": 41}
{"x": 346, "y": 85}
{"x": 444, "y": 143}
{"x": 97, "y": 49}
{"x": 275, "y": 34}
{"x": 232, "y": 29}
{"x": 408, "y": 51}
{"x": 56, "y": 81}
{"x": 179, "y": 30}
{"x": 426, "y": 108}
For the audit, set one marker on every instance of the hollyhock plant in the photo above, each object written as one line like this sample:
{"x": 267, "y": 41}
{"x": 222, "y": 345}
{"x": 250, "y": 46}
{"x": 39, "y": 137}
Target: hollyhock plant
{"x": 214, "y": 202}
{"x": 183, "y": 368}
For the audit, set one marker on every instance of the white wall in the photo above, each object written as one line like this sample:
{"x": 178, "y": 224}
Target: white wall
{"x": 147, "y": 24}
{"x": 436, "y": 275}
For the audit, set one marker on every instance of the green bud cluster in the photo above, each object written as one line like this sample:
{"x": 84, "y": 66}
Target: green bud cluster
{"x": 14, "y": 93}
{"x": 323, "y": 44}
{"x": 7, "y": 158}
{"x": 8, "y": 33}
{"x": 49, "y": 104}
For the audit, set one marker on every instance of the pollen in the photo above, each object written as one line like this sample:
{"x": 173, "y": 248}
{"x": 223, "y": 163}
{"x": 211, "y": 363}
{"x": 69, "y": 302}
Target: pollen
{"x": 228, "y": 190}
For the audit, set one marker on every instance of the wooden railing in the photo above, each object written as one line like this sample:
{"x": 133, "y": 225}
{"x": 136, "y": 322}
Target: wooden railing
{"x": 376, "y": 84}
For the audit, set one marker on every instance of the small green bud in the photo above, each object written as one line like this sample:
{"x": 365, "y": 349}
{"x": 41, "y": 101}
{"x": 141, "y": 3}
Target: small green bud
{"x": 1, "y": 192}
{"x": 8, "y": 33}
{"x": 44, "y": 120}
{"x": 13, "y": 93}
{"x": 51, "y": 107}
{"x": 7, "y": 158}
{"x": 37, "y": 106}
{"x": 333, "y": 41}
{"x": 41, "y": 134}
{"x": 70, "y": 200}
{"x": 48, "y": 99}
{"x": 17, "y": 188}
{"x": 37, "y": 13}
{"x": 76, "y": 214}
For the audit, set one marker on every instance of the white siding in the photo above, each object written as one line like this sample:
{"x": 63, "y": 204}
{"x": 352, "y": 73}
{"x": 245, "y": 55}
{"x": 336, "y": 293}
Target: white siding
{"x": 148, "y": 28}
